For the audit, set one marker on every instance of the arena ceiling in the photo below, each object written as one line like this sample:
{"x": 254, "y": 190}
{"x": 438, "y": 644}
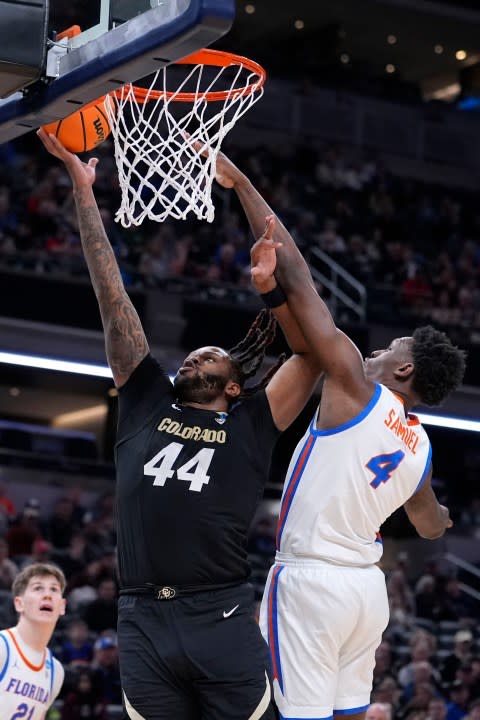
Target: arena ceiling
{"x": 419, "y": 39}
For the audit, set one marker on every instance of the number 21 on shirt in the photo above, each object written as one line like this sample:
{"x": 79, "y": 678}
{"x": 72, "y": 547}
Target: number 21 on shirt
{"x": 23, "y": 711}
{"x": 194, "y": 471}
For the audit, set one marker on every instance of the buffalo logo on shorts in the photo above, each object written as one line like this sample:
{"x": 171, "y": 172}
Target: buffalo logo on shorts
{"x": 166, "y": 593}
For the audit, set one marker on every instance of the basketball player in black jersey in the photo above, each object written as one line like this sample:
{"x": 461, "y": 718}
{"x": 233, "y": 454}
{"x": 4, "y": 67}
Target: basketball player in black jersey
{"x": 192, "y": 459}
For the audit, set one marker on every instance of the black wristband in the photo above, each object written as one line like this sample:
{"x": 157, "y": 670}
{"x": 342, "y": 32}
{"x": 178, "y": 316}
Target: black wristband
{"x": 274, "y": 298}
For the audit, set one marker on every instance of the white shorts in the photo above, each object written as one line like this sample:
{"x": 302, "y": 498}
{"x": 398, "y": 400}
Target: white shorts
{"x": 323, "y": 624}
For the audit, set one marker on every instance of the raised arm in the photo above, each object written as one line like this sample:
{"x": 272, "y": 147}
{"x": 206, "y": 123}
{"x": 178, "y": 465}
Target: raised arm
{"x": 295, "y": 380}
{"x": 263, "y": 259}
{"x": 125, "y": 341}
{"x": 337, "y": 355}
{"x": 429, "y": 518}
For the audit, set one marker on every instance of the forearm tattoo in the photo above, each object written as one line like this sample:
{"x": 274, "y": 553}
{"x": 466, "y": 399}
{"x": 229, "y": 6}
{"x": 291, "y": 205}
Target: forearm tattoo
{"x": 125, "y": 340}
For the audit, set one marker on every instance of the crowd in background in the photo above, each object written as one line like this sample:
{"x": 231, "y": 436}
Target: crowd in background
{"x": 81, "y": 540}
{"x": 415, "y": 246}
{"x": 427, "y": 667}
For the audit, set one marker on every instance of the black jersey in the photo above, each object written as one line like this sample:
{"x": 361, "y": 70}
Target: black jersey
{"x": 188, "y": 483}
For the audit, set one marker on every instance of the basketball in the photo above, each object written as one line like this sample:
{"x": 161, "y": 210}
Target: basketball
{"x": 83, "y": 130}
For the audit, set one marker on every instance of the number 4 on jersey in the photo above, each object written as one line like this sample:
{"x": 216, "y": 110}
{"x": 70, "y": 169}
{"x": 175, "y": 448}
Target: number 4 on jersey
{"x": 193, "y": 471}
{"x": 382, "y": 466}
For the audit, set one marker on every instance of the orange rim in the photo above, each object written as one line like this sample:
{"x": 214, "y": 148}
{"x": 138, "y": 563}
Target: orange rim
{"x": 205, "y": 57}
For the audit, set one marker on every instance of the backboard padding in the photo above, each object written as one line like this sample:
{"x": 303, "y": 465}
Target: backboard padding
{"x": 124, "y": 54}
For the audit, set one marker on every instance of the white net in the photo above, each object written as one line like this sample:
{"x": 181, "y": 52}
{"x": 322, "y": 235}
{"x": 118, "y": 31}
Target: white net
{"x": 166, "y": 142}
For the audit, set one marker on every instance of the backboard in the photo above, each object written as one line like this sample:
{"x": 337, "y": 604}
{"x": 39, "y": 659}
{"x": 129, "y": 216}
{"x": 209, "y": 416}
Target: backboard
{"x": 121, "y": 41}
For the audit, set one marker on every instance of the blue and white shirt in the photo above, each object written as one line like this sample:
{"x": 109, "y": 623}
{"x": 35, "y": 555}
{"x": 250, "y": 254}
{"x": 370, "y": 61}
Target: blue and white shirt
{"x": 29, "y": 681}
{"x": 343, "y": 483}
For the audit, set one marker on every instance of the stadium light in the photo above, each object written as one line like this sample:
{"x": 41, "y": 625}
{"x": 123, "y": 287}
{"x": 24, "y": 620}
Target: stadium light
{"x": 453, "y": 423}
{"x": 45, "y": 363}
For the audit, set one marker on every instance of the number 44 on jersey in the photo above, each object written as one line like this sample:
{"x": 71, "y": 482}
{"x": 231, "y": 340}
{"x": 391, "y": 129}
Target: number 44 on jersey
{"x": 194, "y": 471}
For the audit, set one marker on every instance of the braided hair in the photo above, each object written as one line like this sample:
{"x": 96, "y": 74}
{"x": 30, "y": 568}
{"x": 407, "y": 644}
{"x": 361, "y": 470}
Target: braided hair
{"x": 248, "y": 354}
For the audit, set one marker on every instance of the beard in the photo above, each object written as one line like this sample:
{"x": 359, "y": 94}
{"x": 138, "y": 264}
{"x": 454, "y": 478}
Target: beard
{"x": 198, "y": 388}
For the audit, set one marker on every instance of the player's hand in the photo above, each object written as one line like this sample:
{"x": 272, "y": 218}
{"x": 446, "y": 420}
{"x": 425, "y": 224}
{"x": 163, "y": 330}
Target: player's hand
{"x": 447, "y": 520}
{"x": 264, "y": 258}
{"x": 80, "y": 172}
{"x": 226, "y": 173}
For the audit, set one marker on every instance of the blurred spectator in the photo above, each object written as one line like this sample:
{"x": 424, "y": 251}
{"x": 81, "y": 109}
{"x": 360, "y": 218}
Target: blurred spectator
{"x": 261, "y": 540}
{"x": 80, "y": 597}
{"x": 105, "y": 670}
{"x": 155, "y": 260}
{"x": 423, "y": 673}
{"x": 458, "y": 701}
{"x": 8, "y": 218}
{"x": 379, "y": 711}
{"x": 470, "y": 515}
{"x": 85, "y": 702}
{"x": 475, "y": 679}
{"x": 427, "y": 599}
{"x": 387, "y": 691}
{"x": 437, "y": 709}
{"x": 101, "y": 614}
{"x": 78, "y": 511}
{"x": 474, "y": 710}
{"x": 462, "y": 652}
{"x": 419, "y": 702}
{"x": 8, "y": 569}
{"x": 99, "y": 526}
{"x": 24, "y": 530}
{"x": 330, "y": 241}
{"x": 41, "y": 552}
{"x": 400, "y": 596}
{"x": 61, "y": 524}
{"x": 421, "y": 653}
{"x": 77, "y": 649}
{"x": 73, "y": 559}
{"x": 225, "y": 267}
{"x": 6, "y": 503}
{"x": 383, "y": 662}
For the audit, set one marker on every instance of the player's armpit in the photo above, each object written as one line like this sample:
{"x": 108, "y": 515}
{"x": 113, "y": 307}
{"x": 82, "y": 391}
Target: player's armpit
{"x": 290, "y": 388}
{"x": 429, "y": 518}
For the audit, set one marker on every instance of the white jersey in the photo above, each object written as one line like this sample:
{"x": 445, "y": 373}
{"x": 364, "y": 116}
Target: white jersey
{"x": 343, "y": 483}
{"x": 26, "y": 689}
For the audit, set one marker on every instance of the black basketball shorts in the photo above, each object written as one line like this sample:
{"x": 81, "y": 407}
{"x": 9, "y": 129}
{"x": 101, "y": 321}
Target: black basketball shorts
{"x": 196, "y": 657}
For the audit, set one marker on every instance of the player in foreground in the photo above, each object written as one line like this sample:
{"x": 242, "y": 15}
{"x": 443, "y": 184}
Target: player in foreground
{"x": 363, "y": 456}
{"x": 30, "y": 677}
{"x": 192, "y": 459}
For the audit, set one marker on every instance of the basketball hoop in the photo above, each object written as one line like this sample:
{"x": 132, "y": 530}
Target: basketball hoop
{"x": 157, "y": 129}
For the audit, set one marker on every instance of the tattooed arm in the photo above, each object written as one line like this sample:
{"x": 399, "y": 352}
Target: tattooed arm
{"x": 125, "y": 341}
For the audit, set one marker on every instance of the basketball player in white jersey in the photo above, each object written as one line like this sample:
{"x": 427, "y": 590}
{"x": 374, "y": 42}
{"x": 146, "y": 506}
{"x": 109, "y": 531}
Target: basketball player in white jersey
{"x": 30, "y": 677}
{"x": 363, "y": 456}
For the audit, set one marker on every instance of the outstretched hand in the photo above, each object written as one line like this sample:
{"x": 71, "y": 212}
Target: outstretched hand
{"x": 226, "y": 173}
{"x": 80, "y": 172}
{"x": 264, "y": 258}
